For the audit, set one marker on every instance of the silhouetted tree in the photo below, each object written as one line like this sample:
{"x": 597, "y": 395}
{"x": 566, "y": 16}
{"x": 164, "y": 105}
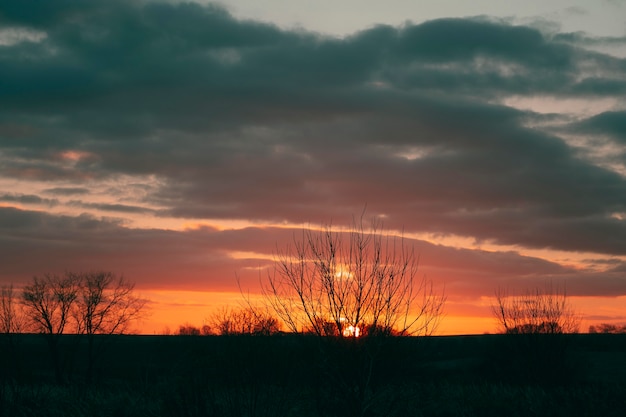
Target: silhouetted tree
{"x": 105, "y": 305}
{"x": 531, "y": 328}
{"x": 361, "y": 278}
{"x": 245, "y": 320}
{"x": 322, "y": 327}
{"x": 607, "y": 328}
{"x": 94, "y": 303}
{"x": 12, "y": 318}
{"x": 546, "y": 311}
{"x": 535, "y": 323}
{"x": 188, "y": 330}
{"x": 335, "y": 284}
{"x": 205, "y": 330}
{"x": 47, "y": 304}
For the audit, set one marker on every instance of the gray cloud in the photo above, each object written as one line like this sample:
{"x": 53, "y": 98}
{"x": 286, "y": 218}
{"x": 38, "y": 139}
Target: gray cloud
{"x": 122, "y": 208}
{"x": 199, "y": 259}
{"x": 611, "y": 123}
{"x": 28, "y": 199}
{"x": 243, "y": 120}
{"x": 65, "y": 191}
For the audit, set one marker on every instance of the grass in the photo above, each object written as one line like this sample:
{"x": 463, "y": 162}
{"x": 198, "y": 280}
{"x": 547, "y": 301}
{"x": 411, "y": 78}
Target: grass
{"x": 287, "y": 376}
{"x": 420, "y": 399}
{"x": 26, "y": 400}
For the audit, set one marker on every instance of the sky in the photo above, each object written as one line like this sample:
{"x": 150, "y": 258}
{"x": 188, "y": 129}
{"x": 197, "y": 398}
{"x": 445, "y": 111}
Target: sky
{"x": 181, "y": 143}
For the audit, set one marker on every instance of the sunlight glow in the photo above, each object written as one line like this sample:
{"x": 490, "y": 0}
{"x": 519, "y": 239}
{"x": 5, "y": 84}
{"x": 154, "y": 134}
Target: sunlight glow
{"x": 352, "y": 331}
{"x": 343, "y": 273}
{"x": 586, "y": 107}
{"x": 618, "y": 216}
{"x": 75, "y": 156}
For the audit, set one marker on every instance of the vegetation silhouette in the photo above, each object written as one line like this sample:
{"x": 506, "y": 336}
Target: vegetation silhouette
{"x": 105, "y": 305}
{"x": 608, "y": 328}
{"x": 536, "y": 325}
{"x": 12, "y": 322}
{"x": 189, "y": 330}
{"x": 47, "y": 302}
{"x": 360, "y": 277}
{"x": 354, "y": 363}
{"x": 351, "y": 290}
{"x": 88, "y": 305}
{"x": 248, "y": 320}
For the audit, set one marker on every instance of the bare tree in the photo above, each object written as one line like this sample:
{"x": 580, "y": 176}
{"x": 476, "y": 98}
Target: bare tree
{"x": 543, "y": 311}
{"x": 12, "y": 318}
{"x": 12, "y": 321}
{"x": 47, "y": 304}
{"x": 536, "y": 348}
{"x": 340, "y": 284}
{"x": 188, "y": 330}
{"x": 206, "y": 330}
{"x": 607, "y": 328}
{"x": 105, "y": 305}
{"x": 245, "y": 320}
{"x": 358, "y": 279}
{"x": 90, "y": 304}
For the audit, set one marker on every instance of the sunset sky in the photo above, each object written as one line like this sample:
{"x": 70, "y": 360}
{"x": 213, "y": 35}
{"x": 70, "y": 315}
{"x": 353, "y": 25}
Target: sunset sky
{"x": 180, "y": 144}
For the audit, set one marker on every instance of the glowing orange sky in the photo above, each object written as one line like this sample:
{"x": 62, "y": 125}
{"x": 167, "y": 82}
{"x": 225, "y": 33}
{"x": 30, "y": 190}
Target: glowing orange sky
{"x": 170, "y": 309}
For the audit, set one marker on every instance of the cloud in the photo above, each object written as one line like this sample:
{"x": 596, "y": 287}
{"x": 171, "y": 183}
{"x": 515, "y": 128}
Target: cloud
{"x": 67, "y": 191}
{"x": 28, "y": 199}
{"x": 37, "y": 243}
{"x": 202, "y": 259}
{"x": 236, "y": 119}
{"x": 611, "y": 123}
{"x": 123, "y": 208}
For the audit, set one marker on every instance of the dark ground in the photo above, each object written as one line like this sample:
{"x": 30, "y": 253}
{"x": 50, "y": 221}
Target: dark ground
{"x": 285, "y": 375}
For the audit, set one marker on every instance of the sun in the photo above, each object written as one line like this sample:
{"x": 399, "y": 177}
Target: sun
{"x": 350, "y": 330}
{"x": 342, "y": 272}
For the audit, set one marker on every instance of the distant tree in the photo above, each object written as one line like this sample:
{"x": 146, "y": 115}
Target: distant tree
{"x": 541, "y": 311}
{"x": 90, "y": 304}
{"x": 535, "y": 322}
{"x": 530, "y": 328}
{"x": 205, "y": 330}
{"x": 47, "y": 303}
{"x": 607, "y": 328}
{"x": 323, "y": 328}
{"x": 188, "y": 330}
{"x": 266, "y": 325}
{"x": 244, "y": 320}
{"x": 377, "y": 331}
{"x": 12, "y": 318}
{"x": 105, "y": 305}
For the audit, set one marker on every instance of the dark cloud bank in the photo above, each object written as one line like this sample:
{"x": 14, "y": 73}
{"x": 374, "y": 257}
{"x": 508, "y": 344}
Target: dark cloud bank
{"x": 243, "y": 120}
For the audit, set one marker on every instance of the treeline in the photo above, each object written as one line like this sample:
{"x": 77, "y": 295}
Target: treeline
{"x": 85, "y": 304}
{"x": 229, "y": 321}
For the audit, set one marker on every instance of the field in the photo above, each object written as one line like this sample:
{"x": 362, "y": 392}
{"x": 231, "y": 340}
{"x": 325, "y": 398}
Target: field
{"x": 284, "y": 375}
